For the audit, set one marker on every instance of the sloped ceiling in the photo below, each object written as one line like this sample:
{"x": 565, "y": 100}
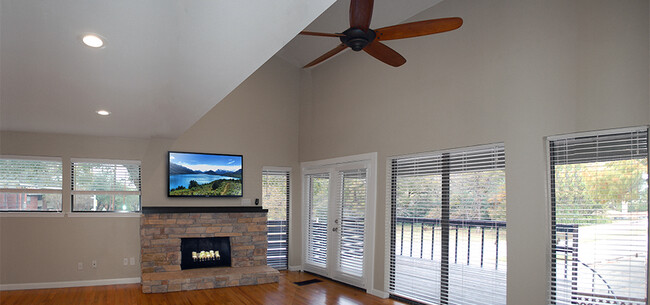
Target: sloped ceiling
{"x": 165, "y": 62}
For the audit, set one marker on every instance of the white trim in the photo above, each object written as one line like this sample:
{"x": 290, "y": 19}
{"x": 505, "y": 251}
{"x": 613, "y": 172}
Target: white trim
{"x": 106, "y": 161}
{"x": 338, "y": 161}
{"x": 73, "y": 192}
{"x": 388, "y": 222}
{"x": 30, "y": 191}
{"x": 596, "y": 133}
{"x": 47, "y": 285}
{"x": 34, "y": 158}
{"x": 31, "y": 214}
{"x": 378, "y": 293}
{"x": 295, "y": 268}
{"x": 103, "y": 214}
{"x": 276, "y": 168}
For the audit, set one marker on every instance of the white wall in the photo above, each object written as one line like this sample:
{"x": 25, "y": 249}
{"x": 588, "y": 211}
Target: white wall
{"x": 515, "y": 72}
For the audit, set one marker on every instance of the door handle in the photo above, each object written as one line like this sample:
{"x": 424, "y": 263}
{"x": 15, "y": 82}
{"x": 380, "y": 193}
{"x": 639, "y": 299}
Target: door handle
{"x": 335, "y": 229}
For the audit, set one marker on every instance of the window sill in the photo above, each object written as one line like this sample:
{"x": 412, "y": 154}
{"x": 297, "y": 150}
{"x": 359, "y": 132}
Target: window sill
{"x": 104, "y": 214}
{"x": 31, "y": 214}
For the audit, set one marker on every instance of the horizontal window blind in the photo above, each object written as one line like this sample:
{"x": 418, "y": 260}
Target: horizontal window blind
{"x": 30, "y": 183}
{"x": 105, "y": 185}
{"x": 317, "y": 203}
{"x": 448, "y": 230}
{"x": 599, "y": 217}
{"x": 352, "y": 211}
{"x": 275, "y": 198}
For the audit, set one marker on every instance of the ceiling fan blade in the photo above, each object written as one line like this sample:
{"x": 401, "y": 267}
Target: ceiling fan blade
{"x": 382, "y": 52}
{"x": 361, "y": 13}
{"x": 419, "y": 28}
{"x": 321, "y": 34}
{"x": 327, "y": 55}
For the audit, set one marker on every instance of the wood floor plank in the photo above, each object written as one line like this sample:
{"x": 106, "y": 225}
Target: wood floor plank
{"x": 283, "y": 292}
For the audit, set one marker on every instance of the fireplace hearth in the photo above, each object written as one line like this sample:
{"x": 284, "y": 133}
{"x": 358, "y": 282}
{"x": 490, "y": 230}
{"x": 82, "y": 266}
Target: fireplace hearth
{"x": 205, "y": 252}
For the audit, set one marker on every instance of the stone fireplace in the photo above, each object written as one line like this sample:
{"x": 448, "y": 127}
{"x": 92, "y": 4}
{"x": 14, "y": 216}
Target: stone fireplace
{"x": 222, "y": 247}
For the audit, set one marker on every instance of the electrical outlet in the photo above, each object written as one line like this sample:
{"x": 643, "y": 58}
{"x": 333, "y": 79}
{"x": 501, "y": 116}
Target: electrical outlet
{"x": 126, "y": 261}
{"x": 80, "y": 266}
{"x": 132, "y": 261}
{"x": 94, "y": 264}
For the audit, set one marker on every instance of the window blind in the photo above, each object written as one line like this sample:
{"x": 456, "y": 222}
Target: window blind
{"x": 317, "y": 203}
{"x": 352, "y": 211}
{"x": 105, "y": 185}
{"x": 275, "y": 197}
{"x": 30, "y": 184}
{"x": 599, "y": 217}
{"x": 448, "y": 230}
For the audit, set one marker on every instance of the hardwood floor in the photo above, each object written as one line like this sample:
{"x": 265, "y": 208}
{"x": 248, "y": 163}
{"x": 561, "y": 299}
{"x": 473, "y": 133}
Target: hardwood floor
{"x": 284, "y": 292}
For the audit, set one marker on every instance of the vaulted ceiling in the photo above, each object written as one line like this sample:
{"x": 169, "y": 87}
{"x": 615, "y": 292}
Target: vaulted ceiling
{"x": 165, "y": 63}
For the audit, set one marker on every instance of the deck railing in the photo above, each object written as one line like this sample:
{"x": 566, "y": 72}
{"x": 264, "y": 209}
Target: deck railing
{"x": 276, "y": 253}
{"x": 412, "y": 234}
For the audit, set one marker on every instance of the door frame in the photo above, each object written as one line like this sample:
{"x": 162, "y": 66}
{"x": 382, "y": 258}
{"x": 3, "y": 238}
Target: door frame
{"x": 371, "y": 207}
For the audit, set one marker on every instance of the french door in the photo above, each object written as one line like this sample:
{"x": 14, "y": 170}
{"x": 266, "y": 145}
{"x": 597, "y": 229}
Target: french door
{"x": 337, "y": 225}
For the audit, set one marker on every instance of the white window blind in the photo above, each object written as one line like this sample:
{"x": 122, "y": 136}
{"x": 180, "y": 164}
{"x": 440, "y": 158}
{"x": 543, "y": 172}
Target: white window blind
{"x": 352, "y": 211}
{"x": 275, "y": 198}
{"x": 30, "y": 183}
{"x": 599, "y": 217}
{"x": 317, "y": 203}
{"x": 448, "y": 229}
{"x": 105, "y": 185}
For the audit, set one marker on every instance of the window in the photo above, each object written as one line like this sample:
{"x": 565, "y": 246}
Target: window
{"x": 105, "y": 186}
{"x": 448, "y": 229}
{"x": 30, "y": 184}
{"x": 275, "y": 197}
{"x": 599, "y": 217}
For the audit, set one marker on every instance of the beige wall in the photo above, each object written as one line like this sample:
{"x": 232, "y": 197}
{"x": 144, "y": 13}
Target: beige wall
{"x": 47, "y": 249}
{"x": 259, "y": 120}
{"x": 515, "y": 72}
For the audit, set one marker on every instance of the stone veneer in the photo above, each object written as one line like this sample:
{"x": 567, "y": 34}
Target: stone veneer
{"x": 161, "y": 230}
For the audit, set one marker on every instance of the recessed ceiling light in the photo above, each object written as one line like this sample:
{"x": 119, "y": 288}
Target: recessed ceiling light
{"x": 103, "y": 112}
{"x": 93, "y": 41}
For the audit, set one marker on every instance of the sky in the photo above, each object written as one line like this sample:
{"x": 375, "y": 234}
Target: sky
{"x": 206, "y": 162}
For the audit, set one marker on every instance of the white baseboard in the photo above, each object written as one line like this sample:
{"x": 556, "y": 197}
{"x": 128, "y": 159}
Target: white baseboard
{"x": 295, "y": 268}
{"x": 378, "y": 293}
{"x": 47, "y": 285}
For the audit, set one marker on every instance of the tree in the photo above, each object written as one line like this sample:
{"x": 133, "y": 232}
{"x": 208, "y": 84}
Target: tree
{"x": 193, "y": 184}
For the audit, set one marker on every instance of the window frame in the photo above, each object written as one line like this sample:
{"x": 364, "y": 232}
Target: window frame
{"x": 116, "y": 213}
{"x": 551, "y": 200}
{"x": 390, "y": 209}
{"x": 45, "y": 213}
{"x": 286, "y": 170}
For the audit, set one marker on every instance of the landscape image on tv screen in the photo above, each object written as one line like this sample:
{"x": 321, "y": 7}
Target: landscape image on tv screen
{"x": 204, "y": 175}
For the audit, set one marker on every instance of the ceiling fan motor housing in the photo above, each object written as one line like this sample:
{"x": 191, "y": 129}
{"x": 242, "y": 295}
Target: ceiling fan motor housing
{"x": 357, "y": 39}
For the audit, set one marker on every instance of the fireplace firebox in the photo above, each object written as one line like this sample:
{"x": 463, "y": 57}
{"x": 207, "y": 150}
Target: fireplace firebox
{"x": 205, "y": 252}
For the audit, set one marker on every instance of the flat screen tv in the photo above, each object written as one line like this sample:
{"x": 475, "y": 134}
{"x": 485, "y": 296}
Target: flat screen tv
{"x": 204, "y": 175}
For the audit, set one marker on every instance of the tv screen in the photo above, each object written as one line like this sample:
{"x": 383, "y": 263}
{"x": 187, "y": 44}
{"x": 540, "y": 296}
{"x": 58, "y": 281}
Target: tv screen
{"x": 204, "y": 175}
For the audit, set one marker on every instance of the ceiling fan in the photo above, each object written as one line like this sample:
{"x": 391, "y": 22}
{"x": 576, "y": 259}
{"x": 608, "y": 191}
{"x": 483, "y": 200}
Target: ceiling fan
{"x": 360, "y": 37}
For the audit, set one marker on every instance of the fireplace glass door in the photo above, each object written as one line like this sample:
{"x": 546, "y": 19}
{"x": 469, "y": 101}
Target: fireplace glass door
{"x": 205, "y": 252}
